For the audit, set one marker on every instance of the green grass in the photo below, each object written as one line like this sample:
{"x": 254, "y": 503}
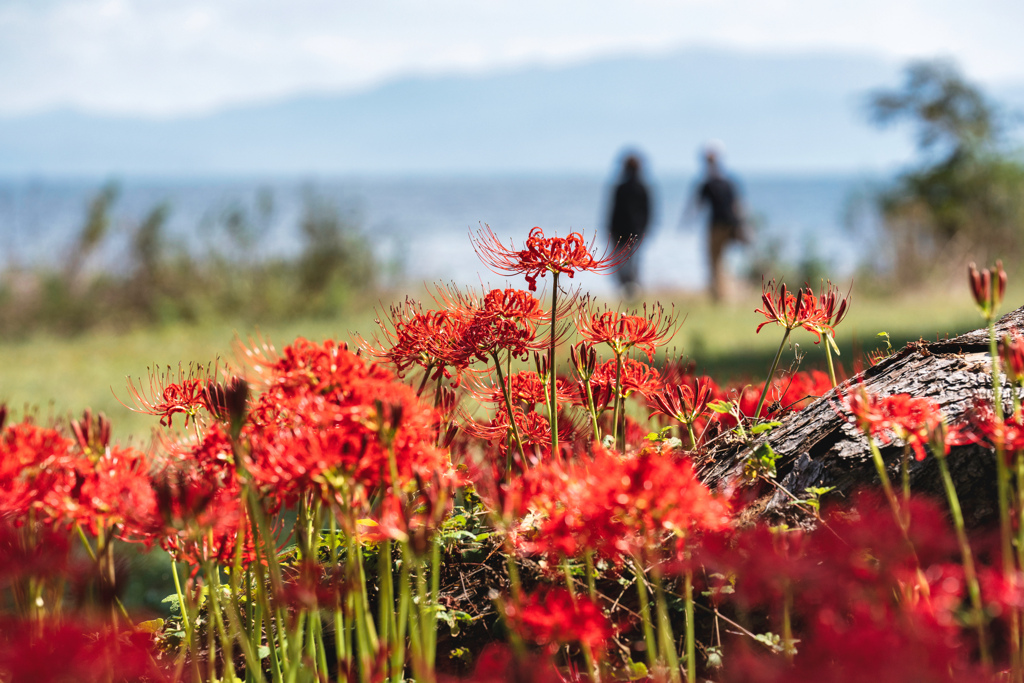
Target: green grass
{"x": 62, "y": 376}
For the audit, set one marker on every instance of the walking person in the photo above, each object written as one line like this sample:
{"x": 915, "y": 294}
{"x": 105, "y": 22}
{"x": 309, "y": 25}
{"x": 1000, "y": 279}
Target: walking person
{"x": 718, "y": 194}
{"x": 630, "y": 214}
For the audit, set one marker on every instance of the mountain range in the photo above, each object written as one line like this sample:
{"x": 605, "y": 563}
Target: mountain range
{"x": 779, "y": 113}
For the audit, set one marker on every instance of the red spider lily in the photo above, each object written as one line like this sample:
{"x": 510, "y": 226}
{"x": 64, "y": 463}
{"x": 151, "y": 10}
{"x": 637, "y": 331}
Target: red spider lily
{"x": 1011, "y": 350}
{"x": 803, "y": 309}
{"x": 498, "y": 664}
{"x": 228, "y": 402}
{"x": 551, "y": 618}
{"x": 514, "y": 304}
{"x": 75, "y": 650}
{"x": 616, "y": 506}
{"x": 622, "y": 332}
{"x": 542, "y": 255}
{"x": 36, "y": 471}
{"x": 525, "y": 388}
{"x": 636, "y": 377}
{"x": 987, "y": 287}
{"x": 684, "y": 403}
{"x": 110, "y": 491}
{"x": 791, "y": 392}
{"x": 534, "y": 430}
{"x": 308, "y": 586}
{"x": 500, "y": 320}
{"x": 983, "y": 427}
{"x": 833, "y": 304}
{"x": 169, "y": 395}
{"x": 33, "y": 551}
{"x": 93, "y": 436}
{"x": 413, "y": 337}
{"x": 910, "y": 419}
{"x": 213, "y": 535}
{"x": 328, "y": 417}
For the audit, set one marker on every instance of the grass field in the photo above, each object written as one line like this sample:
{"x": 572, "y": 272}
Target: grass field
{"x": 60, "y": 376}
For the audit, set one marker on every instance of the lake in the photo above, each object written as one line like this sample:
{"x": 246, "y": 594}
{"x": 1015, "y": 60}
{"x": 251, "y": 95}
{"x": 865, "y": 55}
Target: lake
{"x": 420, "y": 225}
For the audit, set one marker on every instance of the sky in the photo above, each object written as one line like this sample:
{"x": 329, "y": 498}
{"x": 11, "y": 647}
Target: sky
{"x": 164, "y": 58}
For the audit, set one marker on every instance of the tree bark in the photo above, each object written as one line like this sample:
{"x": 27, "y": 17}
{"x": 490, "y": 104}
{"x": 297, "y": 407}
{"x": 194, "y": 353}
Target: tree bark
{"x": 820, "y": 446}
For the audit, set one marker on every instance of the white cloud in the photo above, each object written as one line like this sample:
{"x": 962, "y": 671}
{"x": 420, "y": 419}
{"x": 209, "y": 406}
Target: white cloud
{"x": 192, "y": 55}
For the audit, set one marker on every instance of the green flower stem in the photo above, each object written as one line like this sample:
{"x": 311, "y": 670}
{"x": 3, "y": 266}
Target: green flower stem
{"x": 588, "y": 558}
{"x": 645, "y": 615}
{"x": 588, "y": 654}
{"x": 511, "y": 418}
{"x": 1003, "y": 488}
{"x": 386, "y": 598}
{"x": 318, "y": 644}
{"x": 343, "y": 656}
{"x": 967, "y": 557}
{"x": 691, "y": 629}
{"x": 435, "y": 591}
{"x": 181, "y": 598}
{"x": 828, "y": 359}
{"x": 771, "y": 373}
{"x": 295, "y": 640}
{"x": 553, "y": 404}
{"x": 405, "y": 618}
{"x": 248, "y": 639}
{"x": 617, "y": 405}
{"x": 592, "y": 410}
{"x": 215, "y": 614}
{"x": 890, "y": 495}
{"x": 666, "y": 644}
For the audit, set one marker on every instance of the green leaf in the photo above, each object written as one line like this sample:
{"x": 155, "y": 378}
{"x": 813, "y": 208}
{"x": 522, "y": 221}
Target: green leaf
{"x": 263, "y": 652}
{"x": 724, "y": 407}
{"x": 637, "y": 671}
{"x": 832, "y": 343}
{"x": 764, "y": 427}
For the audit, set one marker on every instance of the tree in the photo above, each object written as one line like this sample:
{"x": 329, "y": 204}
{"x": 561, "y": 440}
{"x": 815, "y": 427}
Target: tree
{"x": 965, "y": 199}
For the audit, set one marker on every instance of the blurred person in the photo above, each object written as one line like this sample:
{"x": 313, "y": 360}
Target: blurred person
{"x": 718, "y": 194}
{"x": 630, "y": 214}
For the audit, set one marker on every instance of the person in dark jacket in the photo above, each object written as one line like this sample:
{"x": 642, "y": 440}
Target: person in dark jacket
{"x": 725, "y": 219}
{"x": 630, "y": 214}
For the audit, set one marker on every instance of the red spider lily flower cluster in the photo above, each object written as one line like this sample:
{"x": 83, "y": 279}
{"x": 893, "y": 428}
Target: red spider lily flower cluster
{"x": 633, "y": 376}
{"x": 80, "y": 651}
{"x": 321, "y": 435}
{"x": 324, "y": 415}
{"x": 910, "y": 419}
{"x": 541, "y": 255}
{"x": 552, "y": 617}
{"x": 685, "y": 403}
{"x": 982, "y": 426}
{"x": 848, "y": 580}
{"x": 988, "y": 287}
{"x": 618, "y": 506}
{"x": 622, "y": 332}
{"x": 467, "y": 327}
{"x": 818, "y": 314}
{"x": 170, "y": 394}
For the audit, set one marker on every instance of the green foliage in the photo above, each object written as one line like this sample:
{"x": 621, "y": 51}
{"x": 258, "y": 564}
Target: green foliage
{"x": 761, "y": 463}
{"x": 966, "y": 196}
{"x": 163, "y": 282}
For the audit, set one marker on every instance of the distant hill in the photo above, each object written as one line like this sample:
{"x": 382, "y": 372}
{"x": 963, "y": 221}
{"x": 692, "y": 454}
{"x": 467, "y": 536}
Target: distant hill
{"x": 774, "y": 113}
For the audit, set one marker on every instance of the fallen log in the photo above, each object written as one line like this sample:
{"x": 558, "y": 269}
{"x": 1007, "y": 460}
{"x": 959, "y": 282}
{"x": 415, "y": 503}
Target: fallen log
{"x": 820, "y": 446}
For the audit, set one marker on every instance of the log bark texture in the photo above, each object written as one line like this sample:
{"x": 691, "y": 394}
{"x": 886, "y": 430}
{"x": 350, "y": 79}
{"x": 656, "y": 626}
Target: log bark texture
{"x": 820, "y": 446}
